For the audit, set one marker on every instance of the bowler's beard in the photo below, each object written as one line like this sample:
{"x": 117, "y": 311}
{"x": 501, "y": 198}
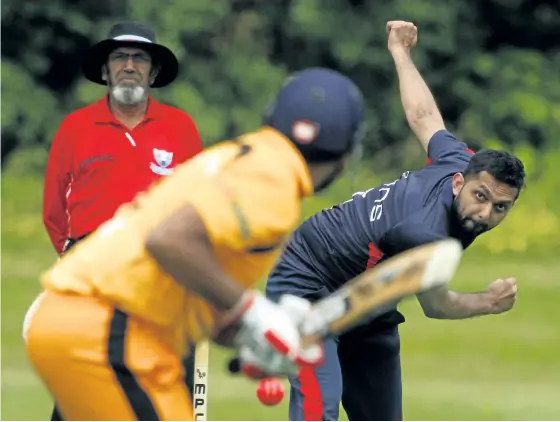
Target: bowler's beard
{"x": 468, "y": 224}
{"x": 128, "y": 94}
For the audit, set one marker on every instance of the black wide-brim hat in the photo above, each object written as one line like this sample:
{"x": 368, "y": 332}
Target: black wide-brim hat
{"x": 131, "y": 34}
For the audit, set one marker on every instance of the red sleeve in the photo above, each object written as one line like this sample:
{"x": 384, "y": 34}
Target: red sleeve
{"x": 191, "y": 144}
{"x": 57, "y": 182}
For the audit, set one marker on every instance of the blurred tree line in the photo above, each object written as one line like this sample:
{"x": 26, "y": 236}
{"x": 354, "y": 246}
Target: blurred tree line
{"x": 493, "y": 65}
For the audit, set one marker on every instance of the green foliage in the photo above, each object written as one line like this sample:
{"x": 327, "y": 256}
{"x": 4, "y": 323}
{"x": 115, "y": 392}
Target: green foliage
{"x": 517, "y": 99}
{"x": 21, "y": 92}
{"x": 491, "y": 83}
{"x": 496, "y": 87}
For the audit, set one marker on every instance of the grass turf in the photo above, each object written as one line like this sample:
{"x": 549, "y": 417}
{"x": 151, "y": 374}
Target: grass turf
{"x": 502, "y": 367}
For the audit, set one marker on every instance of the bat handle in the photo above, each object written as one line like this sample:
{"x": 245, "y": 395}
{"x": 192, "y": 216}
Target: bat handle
{"x": 234, "y": 366}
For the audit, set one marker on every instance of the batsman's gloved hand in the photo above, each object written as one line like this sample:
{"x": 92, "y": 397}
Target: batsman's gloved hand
{"x": 268, "y": 337}
{"x": 264, "y": 361}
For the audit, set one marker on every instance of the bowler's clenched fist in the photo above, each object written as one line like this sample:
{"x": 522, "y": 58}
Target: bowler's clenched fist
{"x": 402, "y": 35}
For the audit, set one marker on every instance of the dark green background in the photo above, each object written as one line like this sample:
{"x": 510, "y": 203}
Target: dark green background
{"x": 494, "y": 67}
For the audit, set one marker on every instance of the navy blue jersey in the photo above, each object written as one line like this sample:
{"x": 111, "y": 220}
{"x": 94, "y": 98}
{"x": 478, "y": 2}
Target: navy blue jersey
{"x": 339, "y": 243}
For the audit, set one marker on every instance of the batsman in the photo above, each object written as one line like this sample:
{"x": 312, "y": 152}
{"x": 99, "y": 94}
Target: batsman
{"x": 179, "y": 264}
{"x": 459, "y": 195}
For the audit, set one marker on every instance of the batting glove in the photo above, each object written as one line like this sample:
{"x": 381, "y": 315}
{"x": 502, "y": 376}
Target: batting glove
{"x": 264, "y": 360}
{"x": 268, "y": 337}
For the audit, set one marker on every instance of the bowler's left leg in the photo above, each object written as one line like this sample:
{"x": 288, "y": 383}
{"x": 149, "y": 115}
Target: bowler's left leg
{"x": 371, "y": 374}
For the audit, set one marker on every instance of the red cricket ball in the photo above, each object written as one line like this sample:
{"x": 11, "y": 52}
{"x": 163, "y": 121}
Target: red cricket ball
{"x": 270, "y": 391}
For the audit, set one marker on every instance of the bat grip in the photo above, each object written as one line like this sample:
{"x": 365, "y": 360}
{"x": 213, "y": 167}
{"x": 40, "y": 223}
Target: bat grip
{"x": 234, "y": 366}
{"x": 310, "y": 335}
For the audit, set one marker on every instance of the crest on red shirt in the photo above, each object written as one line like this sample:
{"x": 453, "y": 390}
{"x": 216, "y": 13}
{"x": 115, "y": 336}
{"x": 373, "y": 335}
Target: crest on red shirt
{"x": 163, "y": 159}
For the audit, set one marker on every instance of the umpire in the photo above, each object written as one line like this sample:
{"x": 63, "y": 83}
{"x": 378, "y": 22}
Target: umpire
{"x": 104, "y": 154}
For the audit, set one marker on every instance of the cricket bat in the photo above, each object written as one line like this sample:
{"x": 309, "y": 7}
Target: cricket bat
{"x": 200, "y": 381}
{"x": 413, "y": 271}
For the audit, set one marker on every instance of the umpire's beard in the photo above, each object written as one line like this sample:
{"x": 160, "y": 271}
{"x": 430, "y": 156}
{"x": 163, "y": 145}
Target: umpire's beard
{"x": 128, "y": 95}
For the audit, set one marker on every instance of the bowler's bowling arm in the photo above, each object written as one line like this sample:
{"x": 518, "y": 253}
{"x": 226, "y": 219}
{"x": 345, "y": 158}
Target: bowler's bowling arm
{"x": 442, "y": 303}
{"x": 422, "y": 113}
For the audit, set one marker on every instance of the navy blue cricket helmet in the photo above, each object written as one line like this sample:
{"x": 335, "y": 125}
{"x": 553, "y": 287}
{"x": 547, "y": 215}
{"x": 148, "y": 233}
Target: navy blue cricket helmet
{"x": 321, "y": 111}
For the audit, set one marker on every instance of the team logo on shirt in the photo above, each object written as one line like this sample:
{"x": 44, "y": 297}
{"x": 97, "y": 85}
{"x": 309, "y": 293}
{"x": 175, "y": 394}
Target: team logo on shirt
{"x": 163, "y": 159}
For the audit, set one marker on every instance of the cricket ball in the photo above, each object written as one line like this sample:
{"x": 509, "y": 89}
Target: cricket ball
{"x": 270, "y": 391}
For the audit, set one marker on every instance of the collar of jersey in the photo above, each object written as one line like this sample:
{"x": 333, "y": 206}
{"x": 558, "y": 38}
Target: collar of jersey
{"x": 103, "y": 113}
{"x": 448, "y": 197}
{"x": 284, "y": 146}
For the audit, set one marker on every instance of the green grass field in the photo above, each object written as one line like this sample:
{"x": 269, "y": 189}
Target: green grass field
{"x": 504, "y": 367}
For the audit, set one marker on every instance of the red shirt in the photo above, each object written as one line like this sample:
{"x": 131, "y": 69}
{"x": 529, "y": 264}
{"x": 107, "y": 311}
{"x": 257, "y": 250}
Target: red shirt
{"x": 96, "y": 164}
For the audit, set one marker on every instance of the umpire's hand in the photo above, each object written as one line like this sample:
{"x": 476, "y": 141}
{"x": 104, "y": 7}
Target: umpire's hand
{"x": 402, "y": 35}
